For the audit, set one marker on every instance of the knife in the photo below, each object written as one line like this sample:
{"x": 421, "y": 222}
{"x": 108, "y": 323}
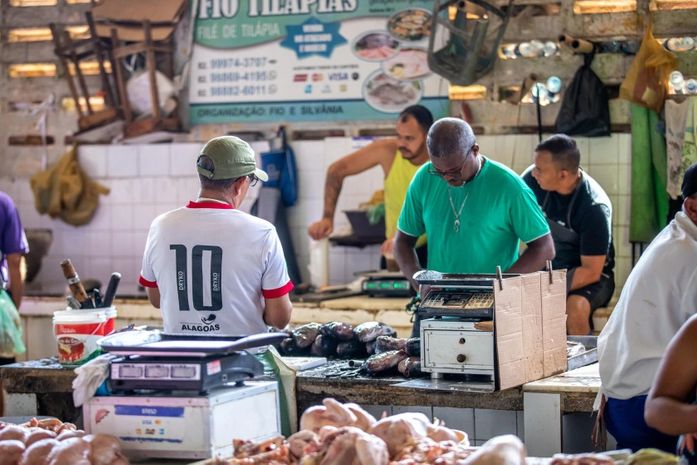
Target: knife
{"x": 111, "y": 289}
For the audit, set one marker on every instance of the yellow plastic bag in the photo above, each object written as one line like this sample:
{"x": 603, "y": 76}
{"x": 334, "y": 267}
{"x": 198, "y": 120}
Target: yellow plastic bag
{"x": 647, "y": 79}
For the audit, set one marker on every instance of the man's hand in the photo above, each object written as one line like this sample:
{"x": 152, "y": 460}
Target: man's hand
{"x": 321, "y": 229}
{"x": 387, "y": 248}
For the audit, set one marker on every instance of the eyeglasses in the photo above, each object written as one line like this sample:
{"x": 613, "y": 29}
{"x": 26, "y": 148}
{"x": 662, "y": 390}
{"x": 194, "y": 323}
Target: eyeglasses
{"x": 253, "y": 180}
{"x": 453, "y": 173}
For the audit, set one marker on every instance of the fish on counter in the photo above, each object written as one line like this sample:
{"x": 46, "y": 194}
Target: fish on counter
{"x": 410, "y": 367}
{"x": 305, "y": 335}
{"x": 351, "y": 349}
{"x": 383, "y": 362}
{"x": 323, "y": 346}
{"x": 371, "y": 330}
{"x": 341, "y": 331}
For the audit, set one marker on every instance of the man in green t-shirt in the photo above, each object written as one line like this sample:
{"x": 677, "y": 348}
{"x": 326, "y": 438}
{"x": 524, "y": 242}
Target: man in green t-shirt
{"x": 475, "y": 211}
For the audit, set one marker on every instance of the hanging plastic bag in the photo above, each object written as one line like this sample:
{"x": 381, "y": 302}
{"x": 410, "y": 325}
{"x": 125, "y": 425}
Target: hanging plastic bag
{"x": 585, "y": 110}
{"x": 10, "y": 327}
{"x": 283, "y": 175}
{"x": 647, "y": 77}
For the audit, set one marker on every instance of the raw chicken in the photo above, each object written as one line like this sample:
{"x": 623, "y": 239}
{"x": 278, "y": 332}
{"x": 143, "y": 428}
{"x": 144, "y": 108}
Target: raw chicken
{"x": 400, "y": 430}
{"x": 352, "y": 446}
{"x": 300, "y": 442}
{"x": 36, "y": 453}
{"x": 104, "y": 449}
{"x": 11, "y": 451}
{"x": 9, "y": 431}
{"x": 332, "y": 413}
{"x": 364, "y": 420}
{"x": 500, "y": 450}
{"x": 37, "y": 434}
{"x": 73, "y": 451}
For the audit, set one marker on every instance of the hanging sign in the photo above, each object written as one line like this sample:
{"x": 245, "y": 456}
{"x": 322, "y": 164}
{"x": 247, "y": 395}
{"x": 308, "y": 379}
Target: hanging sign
{"x": 312, "y": 60}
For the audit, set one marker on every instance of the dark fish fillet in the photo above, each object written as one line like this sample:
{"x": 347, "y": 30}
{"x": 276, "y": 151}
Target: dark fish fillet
{"x": 387, "y": 343}
{"x": 385, "y": 361}
{"x": 413, "y": 346}
{"x": 371, "y": 330}
{"x": 410, "y": 367}
{"x": 351, "y": 349}
{"x": 338, "y": 330}
{"x": 323, "y": 346}
{"x": 305, "y": 335}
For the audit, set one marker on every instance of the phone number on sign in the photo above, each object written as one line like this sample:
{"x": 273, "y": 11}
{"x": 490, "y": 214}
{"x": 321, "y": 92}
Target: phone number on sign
{"x": 218, "y": 63}
{"x": 235, "y": 91}
{"x": 235, "y": 76}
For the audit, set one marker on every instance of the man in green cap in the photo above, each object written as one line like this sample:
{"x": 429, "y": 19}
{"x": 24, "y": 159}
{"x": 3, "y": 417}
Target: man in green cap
{"x": 212, "y": 268}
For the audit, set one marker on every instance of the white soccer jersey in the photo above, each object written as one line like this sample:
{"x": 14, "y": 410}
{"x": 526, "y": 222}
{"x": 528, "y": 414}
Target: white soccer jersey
{"x": 213, "y": 266}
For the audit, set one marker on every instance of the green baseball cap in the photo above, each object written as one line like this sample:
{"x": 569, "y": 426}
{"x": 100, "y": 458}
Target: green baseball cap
{"x": 232, "y": 158}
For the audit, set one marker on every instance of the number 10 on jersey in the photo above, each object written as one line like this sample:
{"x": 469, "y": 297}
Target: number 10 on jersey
{"x": 197, "y": 271}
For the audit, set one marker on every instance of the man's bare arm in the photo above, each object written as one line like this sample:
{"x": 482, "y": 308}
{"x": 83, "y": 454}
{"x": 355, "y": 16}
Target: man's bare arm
{"x": 153, "y": 296}
{"x": 405, "y": 254}
{"x": 15, "y": 262}
{"x": 535, "y": 255}
{"x": 380, "y": 152}
{"x": 589, "y": 272}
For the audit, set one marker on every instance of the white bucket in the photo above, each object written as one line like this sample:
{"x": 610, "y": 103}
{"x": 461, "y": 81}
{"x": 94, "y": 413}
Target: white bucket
{"x": 77, "y": 332}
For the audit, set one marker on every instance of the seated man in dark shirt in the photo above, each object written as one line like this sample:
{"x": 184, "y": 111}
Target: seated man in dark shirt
{"x": 579, "y": 214}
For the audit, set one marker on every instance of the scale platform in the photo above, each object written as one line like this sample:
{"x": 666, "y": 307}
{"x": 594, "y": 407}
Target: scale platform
{"x": 152, "y": 360}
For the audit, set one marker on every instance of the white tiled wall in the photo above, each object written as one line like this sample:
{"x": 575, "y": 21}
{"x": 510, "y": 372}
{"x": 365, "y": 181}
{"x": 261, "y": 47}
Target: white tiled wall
{"x": 147, "y": 180}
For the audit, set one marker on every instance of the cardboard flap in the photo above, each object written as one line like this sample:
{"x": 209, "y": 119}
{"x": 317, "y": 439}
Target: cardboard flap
{"x": 553, "y": 321}
{"x": 508, "y": 323}
{"x": 533, "y": 347}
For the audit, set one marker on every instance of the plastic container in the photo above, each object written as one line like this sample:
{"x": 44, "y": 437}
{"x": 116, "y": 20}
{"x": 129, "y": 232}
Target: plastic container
{"x": 77, "y": 332}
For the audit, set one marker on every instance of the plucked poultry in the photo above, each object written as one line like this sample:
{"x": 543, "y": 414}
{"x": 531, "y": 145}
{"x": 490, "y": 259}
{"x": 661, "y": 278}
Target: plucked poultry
{"x": 52, "y": 442}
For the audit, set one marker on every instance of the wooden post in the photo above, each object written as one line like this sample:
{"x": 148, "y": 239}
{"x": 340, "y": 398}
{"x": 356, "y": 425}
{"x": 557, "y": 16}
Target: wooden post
{"x": 100, "y": 52}
{"x": 78, "y": 72}
{"x": 119, "y": 77}
{"x": 152, "y": 68}
{"x": 55, "y": 32}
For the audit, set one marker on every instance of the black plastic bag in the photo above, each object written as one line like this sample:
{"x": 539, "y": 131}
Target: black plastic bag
{"x": 584, "y": 110}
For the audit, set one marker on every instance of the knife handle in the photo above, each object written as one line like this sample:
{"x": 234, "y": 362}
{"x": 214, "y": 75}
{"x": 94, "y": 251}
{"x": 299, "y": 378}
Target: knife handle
{"x": 111, "y": 289}
{"x": 76, "y": 287}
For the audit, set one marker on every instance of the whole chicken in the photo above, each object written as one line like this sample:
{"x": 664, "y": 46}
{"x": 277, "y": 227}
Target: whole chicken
{"x": 400, "y": 430}
{"x": 364, "y": 420}
{"x": 301, "y": 441}
{"x": 331, "y": 413}
{"x": 73, "y": 451}
{"x": 500, "y": 450}
{"x": 36, "y": 453}
{"x": 105, "y": 450}
{"x": 349, "y": 445}
{"x": 11, "y": 451}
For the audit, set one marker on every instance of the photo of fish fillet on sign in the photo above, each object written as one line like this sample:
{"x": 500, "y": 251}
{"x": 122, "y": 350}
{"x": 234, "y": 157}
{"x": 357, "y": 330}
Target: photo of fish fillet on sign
{"x": 375, "y": 46}
{"x": 390, "y": 95}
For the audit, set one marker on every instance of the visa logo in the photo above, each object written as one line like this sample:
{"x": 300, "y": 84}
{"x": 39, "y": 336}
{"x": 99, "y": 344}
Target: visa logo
{"x": 338, "y": 77}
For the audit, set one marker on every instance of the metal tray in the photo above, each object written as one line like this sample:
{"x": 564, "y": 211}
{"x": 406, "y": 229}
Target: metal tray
{"x": 585, "y": 358}
{"x": 156, "y": 343}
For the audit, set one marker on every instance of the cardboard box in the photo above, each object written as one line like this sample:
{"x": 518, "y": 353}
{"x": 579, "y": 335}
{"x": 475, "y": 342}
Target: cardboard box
{"x": 530, "y": 327}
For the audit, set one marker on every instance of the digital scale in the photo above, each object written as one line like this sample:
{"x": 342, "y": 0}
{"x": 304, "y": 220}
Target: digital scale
{"x": 185, "y": 396}
{"x": 386, "y": 284}
{"x": 181, "y": 373}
